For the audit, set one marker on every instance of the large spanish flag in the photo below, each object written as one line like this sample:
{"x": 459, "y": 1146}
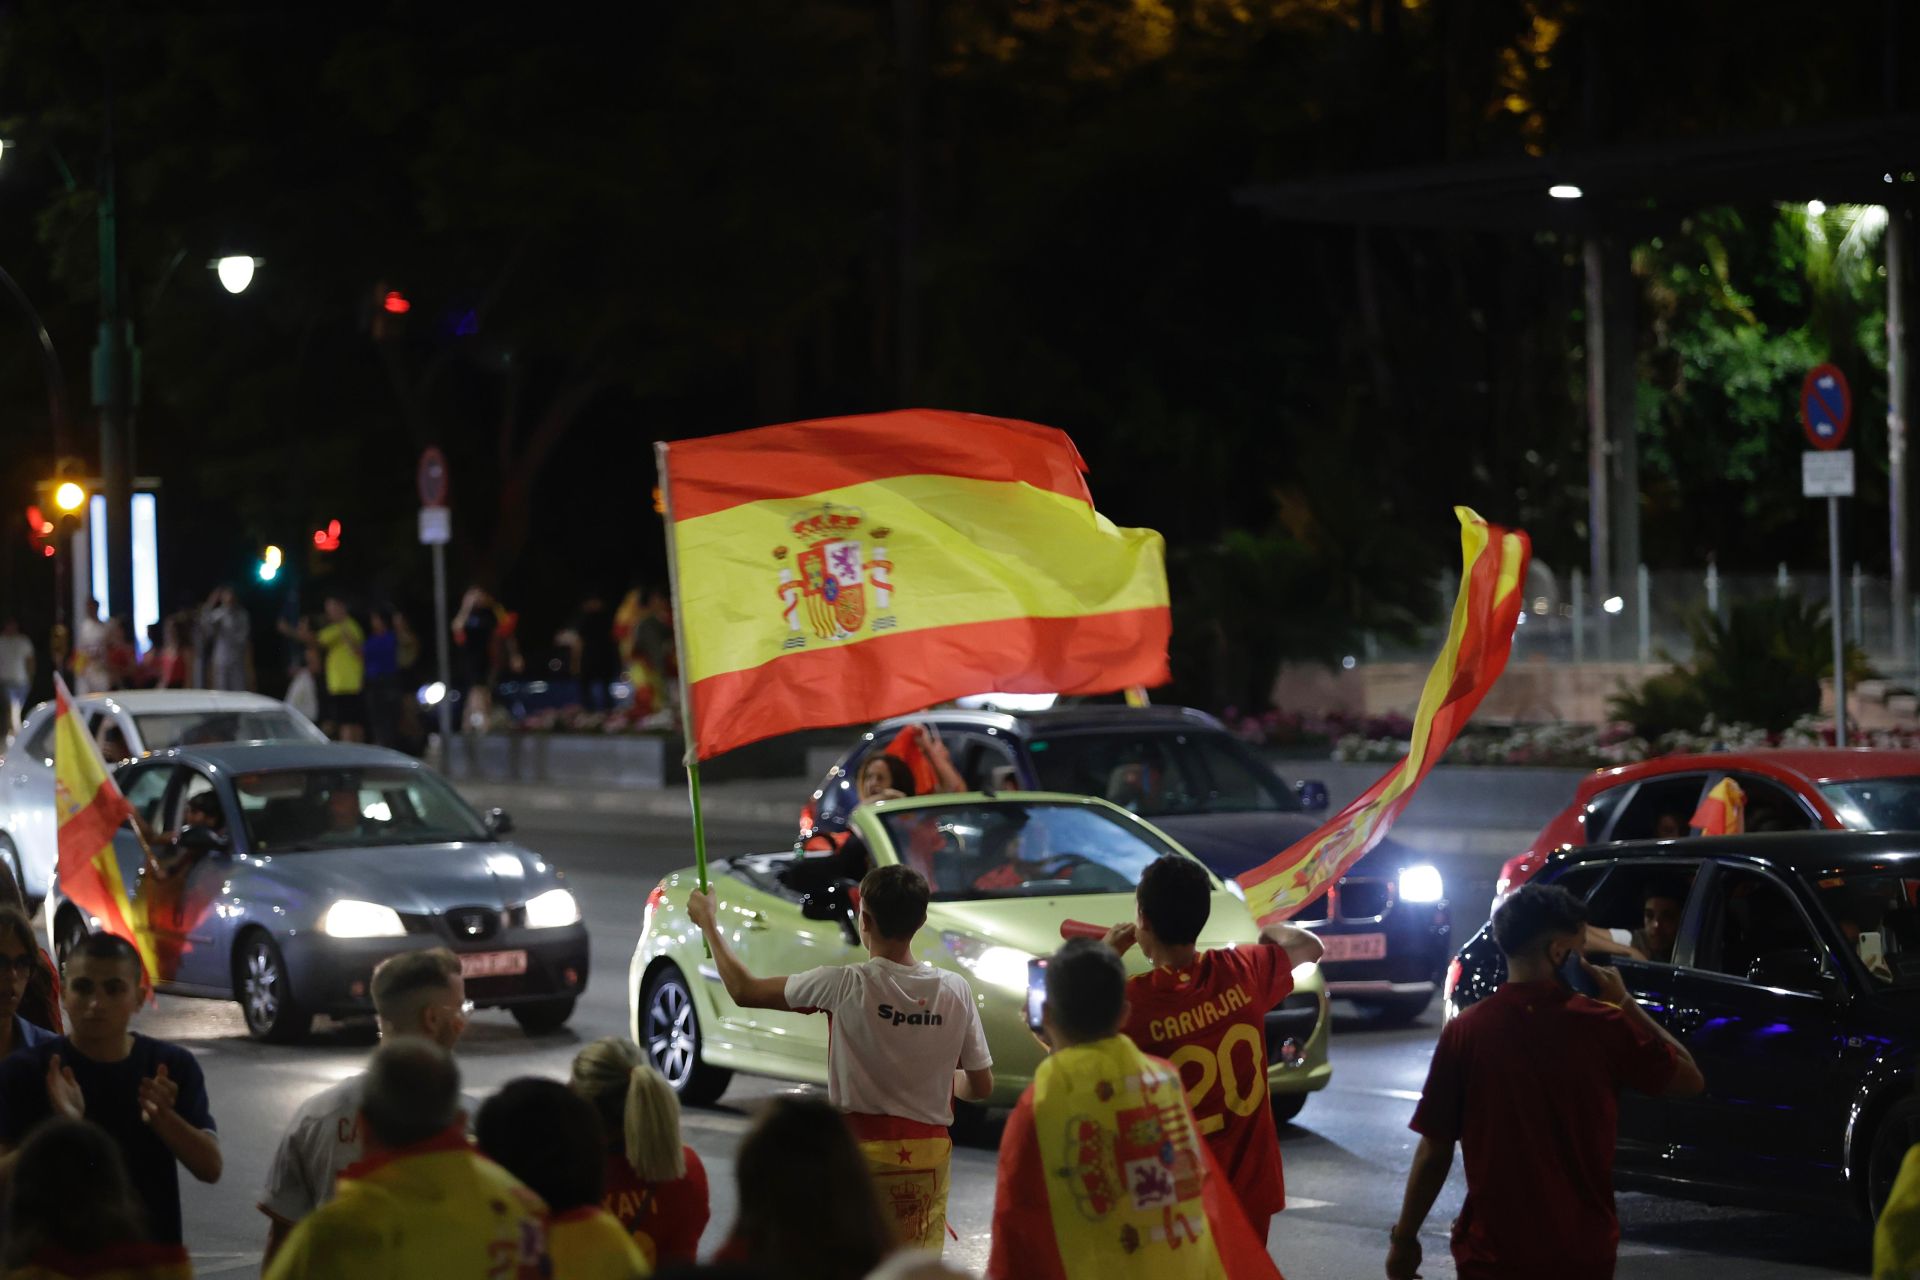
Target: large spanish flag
{"x": 1103, "y": 1174}
{"x": 847, "y": 569}
{"x": 89, "y": 808}
{"x": 1478, "y": 642}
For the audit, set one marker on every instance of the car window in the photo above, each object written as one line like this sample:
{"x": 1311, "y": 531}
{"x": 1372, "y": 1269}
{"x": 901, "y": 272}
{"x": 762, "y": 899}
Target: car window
{"x": 1005, "y": 849}
{"x": 1877, "y": 912}
{"x": 301, "y": 810}
{"x": 1599, "y": 812}
{"x": 147, "y": 793}
{"x": 160, "y": 730}
{"x": 193, "y": 785}
{"x": 1580, "y": 878}
{"x": 1752, "y": 921}
{"x": 40, "y": 745}
{"x": 1642, "y": 904}
{"x": 1159, "y": 773}
{"x": 838, "y": 795}
{"x": 1770, "y": 806}
{"x": 1660, "y": 808}
{"x": 1876, "y": 804}
{"x": 985, "y": 763}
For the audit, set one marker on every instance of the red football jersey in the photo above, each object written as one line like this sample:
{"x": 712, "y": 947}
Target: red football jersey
{"x": 664, "y": 1218}
{"x": 1209, "y": 1020}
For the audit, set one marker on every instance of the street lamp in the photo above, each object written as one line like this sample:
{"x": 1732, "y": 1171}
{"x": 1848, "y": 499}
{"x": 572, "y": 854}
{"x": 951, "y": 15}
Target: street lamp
{"x": 235, "y": 271}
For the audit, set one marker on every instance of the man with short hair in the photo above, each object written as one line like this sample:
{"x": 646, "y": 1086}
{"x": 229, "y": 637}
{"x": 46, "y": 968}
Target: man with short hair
{"x": 423, "y": 1202}
{"x": 1661, "y": 903}
{"x": 1102, "y": 1170}
{"x": 906, "y": 1041}
{"x": 1527, "y": 1081}
{"x": 1208, "y": 1010}
{"x": 150, "y": 1096}
{"x": 416, "y": 993}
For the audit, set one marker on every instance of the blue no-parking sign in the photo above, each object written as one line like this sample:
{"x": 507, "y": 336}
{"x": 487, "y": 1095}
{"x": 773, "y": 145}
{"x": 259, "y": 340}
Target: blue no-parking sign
{"x": 1826, "y": 406}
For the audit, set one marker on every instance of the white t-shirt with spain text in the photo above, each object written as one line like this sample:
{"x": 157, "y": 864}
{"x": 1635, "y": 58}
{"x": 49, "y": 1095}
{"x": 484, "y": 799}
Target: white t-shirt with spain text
{"x": 898, "y": 1033}
{"x": 322, "y": 1140}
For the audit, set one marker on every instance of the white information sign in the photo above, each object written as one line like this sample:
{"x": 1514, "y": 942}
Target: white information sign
{"x": 436, "y": 523}
{"x": 1824, "y": 473}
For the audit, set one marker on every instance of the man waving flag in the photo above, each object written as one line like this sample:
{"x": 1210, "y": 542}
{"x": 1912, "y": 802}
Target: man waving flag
{"x": 89, "y": 808}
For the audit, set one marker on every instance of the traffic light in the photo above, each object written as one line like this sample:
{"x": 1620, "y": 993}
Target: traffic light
{"x": 270, "y": 561}
{"x": 327, "y": 539}
{"x": 39, "y": 531}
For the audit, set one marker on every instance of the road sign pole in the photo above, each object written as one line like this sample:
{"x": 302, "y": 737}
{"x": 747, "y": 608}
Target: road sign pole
{"x": 1839, "y": 645}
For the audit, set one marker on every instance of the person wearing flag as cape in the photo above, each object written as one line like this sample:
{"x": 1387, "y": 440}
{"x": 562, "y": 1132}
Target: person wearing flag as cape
{"x": 1206, "y": 1010}
{"x": 1102, "y": 1170}
{"x": 906, "y": 1041}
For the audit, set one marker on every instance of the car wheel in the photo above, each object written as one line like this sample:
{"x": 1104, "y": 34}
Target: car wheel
{"x": 670, "y": 1036}
{"x": 69, "y": 929}
{"x": 543, "y": 1016}
{"x": 1286, "y": 1106}
{"x": 261, "y": 984}
{"x": 1395, "y": 1011}
{"x": 1897, "y": 1131}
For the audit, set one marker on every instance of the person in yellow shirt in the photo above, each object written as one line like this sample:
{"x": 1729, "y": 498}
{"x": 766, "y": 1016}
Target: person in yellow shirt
{"x": 343, "y": 646}
{"x": 549, "y": 1137}
{"x": 423, "y": 1202}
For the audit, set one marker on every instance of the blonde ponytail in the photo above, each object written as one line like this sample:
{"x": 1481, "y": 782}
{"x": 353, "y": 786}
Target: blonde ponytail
{"x": 635, "y": 1102}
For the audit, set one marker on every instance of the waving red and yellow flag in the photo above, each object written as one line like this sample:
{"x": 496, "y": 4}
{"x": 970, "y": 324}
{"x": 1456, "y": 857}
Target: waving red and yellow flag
{"x": 1478, "y": 642}
{"x": 1723, "y": 812}
{"x": 89, "y": 808}
{"x": 848, "y": 569}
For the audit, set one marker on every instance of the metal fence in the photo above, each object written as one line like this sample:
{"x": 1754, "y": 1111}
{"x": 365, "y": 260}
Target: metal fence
{"x": 1647, "y": 620}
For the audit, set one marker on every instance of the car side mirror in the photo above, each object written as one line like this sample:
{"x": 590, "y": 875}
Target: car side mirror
{"x": 1795, "y": 970}
{"x": 200, "y": 840}
{"x": 499, "y": 822}
{"x": 834, "y": 901}
{"x": 1313, "y": 795}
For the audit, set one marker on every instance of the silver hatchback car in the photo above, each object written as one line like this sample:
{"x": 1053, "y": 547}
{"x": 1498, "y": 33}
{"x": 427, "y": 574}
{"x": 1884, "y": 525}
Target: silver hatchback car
{"x": 305, "y": 865}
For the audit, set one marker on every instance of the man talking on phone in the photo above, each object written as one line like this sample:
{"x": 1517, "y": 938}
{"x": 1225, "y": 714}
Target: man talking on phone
{"x": 1527, "y": 1082}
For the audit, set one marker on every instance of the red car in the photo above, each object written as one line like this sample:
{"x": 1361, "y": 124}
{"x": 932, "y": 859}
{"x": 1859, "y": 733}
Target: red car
{"x": 1788, "y": 790}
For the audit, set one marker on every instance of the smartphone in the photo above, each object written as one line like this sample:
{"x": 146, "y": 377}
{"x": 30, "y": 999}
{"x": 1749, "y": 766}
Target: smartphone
{"x": 1036, "y": 993}
{"x": 1574, "y": 975}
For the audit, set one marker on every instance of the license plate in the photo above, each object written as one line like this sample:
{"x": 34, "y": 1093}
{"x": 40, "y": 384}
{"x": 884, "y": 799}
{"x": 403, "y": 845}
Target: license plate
{"x": 492, "y": 964}
{"x": 1354, "y": 946}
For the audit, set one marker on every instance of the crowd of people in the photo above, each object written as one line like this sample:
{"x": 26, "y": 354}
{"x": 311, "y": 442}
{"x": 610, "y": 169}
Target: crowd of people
{"x": 353, "y": 667}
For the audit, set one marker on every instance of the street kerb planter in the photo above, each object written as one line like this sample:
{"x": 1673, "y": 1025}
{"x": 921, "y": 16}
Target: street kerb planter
{"x": 626, "y": 760}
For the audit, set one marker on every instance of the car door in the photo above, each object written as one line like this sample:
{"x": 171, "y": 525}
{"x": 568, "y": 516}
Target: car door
{"x": 29, "y": 818}
{"x": 183, "y": 905}
{"x": 1615, "y": 901}
{"x": 761, "y": 917}
{"x": 1774, "y": 1109}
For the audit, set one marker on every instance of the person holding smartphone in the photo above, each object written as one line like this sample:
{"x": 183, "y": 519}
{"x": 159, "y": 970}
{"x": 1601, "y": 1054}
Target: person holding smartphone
{"x": 1527, "y": 1083}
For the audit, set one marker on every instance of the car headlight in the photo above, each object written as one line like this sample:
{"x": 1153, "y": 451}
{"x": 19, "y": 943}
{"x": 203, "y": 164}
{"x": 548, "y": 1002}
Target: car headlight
{"x": 993, "y": 964}
{"x": 552, "y": 909}
{"x": 1421, "y": 883}
{"x": 348, "y": 918}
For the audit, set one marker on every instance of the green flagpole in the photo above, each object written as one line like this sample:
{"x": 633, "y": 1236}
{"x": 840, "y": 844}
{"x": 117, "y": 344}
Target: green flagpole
{"x": 691, "y": 758}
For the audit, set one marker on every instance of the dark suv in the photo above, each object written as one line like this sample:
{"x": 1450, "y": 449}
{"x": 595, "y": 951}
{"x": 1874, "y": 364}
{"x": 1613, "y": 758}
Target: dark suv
{"x": 1795, "y": 983}
{"x": 1385, "y": 924}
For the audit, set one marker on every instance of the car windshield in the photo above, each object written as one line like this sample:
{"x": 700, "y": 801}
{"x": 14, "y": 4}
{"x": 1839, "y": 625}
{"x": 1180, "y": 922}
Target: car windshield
{"x": 1162, "y": 773}
{"x": 300, "y": 810}
{"x": 1876, "y": 804}
{"x": 162, "y": 729}
{"x": 1878, "y": 913}
{"x": 1005, "y": 849}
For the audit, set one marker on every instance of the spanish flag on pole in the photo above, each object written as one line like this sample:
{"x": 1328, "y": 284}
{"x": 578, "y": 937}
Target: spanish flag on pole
{"x": 848, "y": 569}
{"x": 1478, "y": 642}
{"x": 89, "y": 808}
{"x": 1723, "y": 812}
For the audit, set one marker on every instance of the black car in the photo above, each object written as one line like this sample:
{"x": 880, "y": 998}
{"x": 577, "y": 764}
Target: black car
{"x": 1386, "y": 924}
{"x": 1795, "y": 983}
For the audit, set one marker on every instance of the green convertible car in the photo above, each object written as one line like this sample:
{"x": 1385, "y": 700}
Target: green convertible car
{"x": 1006, "y": 869}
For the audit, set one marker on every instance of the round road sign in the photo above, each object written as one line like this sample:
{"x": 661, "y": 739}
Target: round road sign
{"x": 432, "y": 477}
{"x": 1826, "y": 406}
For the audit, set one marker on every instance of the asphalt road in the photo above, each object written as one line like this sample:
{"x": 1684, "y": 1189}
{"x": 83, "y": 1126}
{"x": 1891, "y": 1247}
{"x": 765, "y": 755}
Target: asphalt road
{"x": 1346, "y": 1155}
